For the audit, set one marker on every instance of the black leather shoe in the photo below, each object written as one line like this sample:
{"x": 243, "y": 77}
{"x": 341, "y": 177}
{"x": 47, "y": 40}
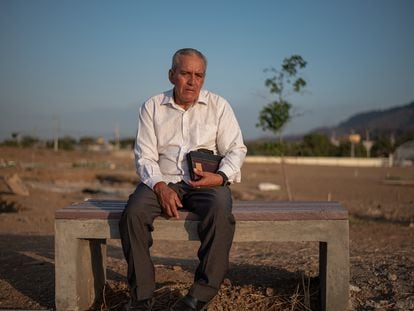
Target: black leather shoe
{"x": 139, "y": 305}
{"x": 189, "y": 303}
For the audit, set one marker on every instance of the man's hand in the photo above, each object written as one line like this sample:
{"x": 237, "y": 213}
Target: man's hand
{"x": 168, "y": 198}
{"x": 208, "y": 179}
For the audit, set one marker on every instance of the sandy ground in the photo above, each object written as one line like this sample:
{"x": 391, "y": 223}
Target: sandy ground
{"x": 262, "y": 276}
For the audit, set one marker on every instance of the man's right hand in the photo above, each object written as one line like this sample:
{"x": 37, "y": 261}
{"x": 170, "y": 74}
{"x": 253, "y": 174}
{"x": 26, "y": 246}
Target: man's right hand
{"x": 169, "y": 200}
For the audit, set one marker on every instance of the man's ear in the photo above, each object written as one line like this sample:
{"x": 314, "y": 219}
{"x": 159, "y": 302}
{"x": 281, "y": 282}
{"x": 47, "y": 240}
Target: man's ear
{"x": 171, "y": 76}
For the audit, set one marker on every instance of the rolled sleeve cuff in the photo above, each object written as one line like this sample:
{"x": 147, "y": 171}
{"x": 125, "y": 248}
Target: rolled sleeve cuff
{"x": 151, "y": 182}
{"x": 233, "y": 176}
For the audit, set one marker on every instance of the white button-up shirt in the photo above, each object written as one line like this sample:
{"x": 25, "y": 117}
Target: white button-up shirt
{"x": 167, "y": 132}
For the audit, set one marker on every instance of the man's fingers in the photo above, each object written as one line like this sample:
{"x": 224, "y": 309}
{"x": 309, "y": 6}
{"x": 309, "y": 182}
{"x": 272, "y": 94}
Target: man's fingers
{"x": 174, "y": 212}
{"x": 171, "y": 211}
{"x": 178, "y": 202}
{"x": 169, "y": 200}
{"x": 196, "y": 183}
{"x": 207, "y": 179}
{"x": 174, "y": 203}
{"x": 168, "y": 212}
{"x": 198, "y": 172}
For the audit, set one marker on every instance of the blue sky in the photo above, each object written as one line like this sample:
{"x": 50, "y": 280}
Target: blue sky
{"x": 88, "y": 65}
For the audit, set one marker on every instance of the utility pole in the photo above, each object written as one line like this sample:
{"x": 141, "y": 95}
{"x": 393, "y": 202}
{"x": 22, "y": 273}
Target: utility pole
{"x": 391, "y": 155}
{"x": 56, "y": 131}
{"x": 117, "y": 138}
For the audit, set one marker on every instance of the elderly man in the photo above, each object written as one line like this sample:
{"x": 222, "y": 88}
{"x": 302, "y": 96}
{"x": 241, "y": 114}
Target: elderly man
{"x": 170, "y": 125}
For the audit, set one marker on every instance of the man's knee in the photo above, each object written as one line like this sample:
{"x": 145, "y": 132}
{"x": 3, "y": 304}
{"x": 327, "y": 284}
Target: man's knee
{"x": 221, "y": 201}
{"x": 218, "y": 210}
{"x": 219, "y": 207}
{"x": 140, "y": 206}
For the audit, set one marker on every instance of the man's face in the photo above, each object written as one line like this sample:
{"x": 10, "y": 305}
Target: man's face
{"x": 188, "y": 79}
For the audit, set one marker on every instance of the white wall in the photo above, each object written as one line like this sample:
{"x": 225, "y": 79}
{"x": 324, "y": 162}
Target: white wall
{"x": 330, "y": 161}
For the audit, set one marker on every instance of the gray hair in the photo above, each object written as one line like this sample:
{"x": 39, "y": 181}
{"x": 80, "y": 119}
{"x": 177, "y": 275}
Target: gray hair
{"x": 187, "y": 51}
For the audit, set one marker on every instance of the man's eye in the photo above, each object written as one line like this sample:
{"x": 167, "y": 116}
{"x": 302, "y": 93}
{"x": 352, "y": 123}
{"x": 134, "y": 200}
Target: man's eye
{"x": 189, "y": 74}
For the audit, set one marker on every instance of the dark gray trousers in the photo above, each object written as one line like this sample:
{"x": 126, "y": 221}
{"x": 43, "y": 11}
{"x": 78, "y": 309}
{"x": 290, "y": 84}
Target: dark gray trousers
{"x": 215, "y": 230}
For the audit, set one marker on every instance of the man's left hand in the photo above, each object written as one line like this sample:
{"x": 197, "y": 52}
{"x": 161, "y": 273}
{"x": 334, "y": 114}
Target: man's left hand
{"x": 207, "y": 179}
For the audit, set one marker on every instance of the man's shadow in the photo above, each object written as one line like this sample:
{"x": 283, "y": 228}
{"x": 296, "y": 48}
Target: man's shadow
{"x": 28, "y": 272}
{"x": 285, "y": 282}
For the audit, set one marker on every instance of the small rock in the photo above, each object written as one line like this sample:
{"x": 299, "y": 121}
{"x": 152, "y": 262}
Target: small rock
{"x": 354, "y": 288}
{"x": 392, "y": 276}
{"x": 267, "y": 186}
{"x": 270, "y": 292}
{"x": 16, "y": 185}
{"x": 158, "y": 266}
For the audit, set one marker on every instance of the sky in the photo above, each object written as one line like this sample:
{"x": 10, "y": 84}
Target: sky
{"x": 83, "y": 68}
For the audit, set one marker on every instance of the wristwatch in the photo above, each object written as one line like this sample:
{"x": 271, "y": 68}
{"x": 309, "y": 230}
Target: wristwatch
{"x": 225, "y": 178}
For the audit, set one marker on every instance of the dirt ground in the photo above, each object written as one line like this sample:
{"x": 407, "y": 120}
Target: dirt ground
{"x": 262, "y": 276}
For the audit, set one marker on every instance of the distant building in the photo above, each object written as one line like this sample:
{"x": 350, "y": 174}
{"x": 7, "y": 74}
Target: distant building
{"x": 98, "y": 144}
{"x": 334, "y": 141}
{"x": 404, "y": 154}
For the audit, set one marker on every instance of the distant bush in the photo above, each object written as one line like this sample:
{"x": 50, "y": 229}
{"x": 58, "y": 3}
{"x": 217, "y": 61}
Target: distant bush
{"x": 316, "y": 145}
{"x": 87, "y": 140}
{"x": 64, "y": 143}
{"x": 312, "y": 145}
{"x": 267, "y": 148}
{"x": 9, "y": 143}
{"x": 24, "y": 141}
{"x": 125, "y": 143}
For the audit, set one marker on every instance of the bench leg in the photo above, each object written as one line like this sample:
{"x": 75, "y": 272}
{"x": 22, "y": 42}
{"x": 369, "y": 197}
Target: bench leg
{"x": 80, "y": 271}
{"x": 334, "y": 275}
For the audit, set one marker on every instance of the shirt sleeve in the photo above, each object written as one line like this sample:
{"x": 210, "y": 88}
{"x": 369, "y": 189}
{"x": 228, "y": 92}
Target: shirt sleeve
{"x": 230, "y": 144}
{"x": 145, "y": 150}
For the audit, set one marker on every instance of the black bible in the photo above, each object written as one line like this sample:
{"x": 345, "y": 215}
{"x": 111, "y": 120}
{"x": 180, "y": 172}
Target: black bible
{"x": 203, "y": 160}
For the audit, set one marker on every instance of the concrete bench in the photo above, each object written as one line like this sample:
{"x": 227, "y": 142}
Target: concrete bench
{"x": 82, "y": 230}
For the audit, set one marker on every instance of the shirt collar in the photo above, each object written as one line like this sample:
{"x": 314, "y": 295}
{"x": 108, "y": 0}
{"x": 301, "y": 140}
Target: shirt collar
{"x": 169, "y": 98}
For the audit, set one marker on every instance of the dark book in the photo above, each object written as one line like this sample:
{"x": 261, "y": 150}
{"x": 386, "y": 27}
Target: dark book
{"x": 203, "y": 160}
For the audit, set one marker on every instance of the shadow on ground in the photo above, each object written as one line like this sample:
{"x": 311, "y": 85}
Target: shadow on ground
{"x": 27, "y": 273}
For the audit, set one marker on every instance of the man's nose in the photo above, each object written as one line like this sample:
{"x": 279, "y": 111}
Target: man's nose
{"x": 191, "y": 79}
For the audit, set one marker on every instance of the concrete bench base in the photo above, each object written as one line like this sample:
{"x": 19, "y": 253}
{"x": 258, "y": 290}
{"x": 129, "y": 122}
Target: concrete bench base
{"x": 82, "y": 230}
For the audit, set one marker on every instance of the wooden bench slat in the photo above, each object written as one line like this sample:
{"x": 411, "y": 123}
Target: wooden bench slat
{"x": 262, "y": 204}
{"x": 236, "y": 203}
{"x": 242, "y": 210}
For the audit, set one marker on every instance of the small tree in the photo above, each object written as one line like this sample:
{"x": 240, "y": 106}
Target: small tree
{"x": 274, "y": 116}
{"x": 285, "y": 81}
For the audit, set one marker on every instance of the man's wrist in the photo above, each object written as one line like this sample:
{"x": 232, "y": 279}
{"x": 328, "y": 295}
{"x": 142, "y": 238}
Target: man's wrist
{"x": 158, "y": 186}
{"x": 225, "y": 178}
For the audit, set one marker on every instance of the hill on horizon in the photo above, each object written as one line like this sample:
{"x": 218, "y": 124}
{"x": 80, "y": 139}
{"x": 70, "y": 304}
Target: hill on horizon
{"x": 395, "y": 120}
{"x": 398, "y": 119}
